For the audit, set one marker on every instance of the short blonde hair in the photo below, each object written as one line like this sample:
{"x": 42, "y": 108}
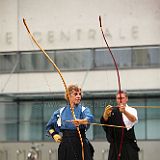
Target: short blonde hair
{"x": 70, "y": 89}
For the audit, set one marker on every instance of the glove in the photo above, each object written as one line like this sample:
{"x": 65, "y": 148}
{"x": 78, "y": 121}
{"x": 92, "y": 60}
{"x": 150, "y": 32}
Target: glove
{"x": 107, "y": 112}
{"x": 57, "y": 138}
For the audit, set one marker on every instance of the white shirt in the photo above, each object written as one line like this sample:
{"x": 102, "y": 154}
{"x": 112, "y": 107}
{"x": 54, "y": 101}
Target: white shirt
{"x": 126, "y": 121}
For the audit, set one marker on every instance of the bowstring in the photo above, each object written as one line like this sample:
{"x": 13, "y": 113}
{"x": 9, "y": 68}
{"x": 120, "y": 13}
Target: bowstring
{"x": 50, "y": 104}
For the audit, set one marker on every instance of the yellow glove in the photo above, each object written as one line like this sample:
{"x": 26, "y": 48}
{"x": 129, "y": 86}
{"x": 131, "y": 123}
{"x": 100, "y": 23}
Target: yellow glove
{"x": 57, "y": 138}
{"x": 107, "y": 112}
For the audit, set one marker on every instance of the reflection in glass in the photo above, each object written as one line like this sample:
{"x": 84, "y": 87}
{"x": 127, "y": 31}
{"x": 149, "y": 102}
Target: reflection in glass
{"x": 30, "y": 126}
{"x": 8, "y": 121}
{"x": 103, "y": 58}
{"x": 140, "y": 57}
{"x": 153, "y": 119}
{"x": 140, "y": 127}
{"x": 35, "y": 61}
{"x": 9, "y": 62}
{"x": 74, "y": 59}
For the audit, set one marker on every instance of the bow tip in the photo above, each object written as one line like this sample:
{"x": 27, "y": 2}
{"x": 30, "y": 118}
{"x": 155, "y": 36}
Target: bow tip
{"x": 100, "y": 21}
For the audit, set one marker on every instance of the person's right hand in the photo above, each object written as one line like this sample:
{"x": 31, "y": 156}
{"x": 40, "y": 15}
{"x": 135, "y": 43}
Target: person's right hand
{"x": 57, "y": 138}
{"x": 107, "y": 112}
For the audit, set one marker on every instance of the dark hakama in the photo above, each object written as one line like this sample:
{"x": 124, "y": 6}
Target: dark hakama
{"x": 114, "y": 136}
{"x": 70, "y": 148}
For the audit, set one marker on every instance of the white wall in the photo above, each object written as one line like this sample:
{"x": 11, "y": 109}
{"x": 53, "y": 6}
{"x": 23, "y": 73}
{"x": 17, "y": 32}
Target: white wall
{"x": 60, "y": 24}
{"x": 90, "y": 81}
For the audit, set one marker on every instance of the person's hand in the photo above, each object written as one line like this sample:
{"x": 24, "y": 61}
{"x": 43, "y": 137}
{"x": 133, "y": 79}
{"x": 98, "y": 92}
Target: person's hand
{"x": 107, "y": 112}
{"x": 78, "y": 122}
{"x": 122, "y": 108}
{"x": 57, "y": 138}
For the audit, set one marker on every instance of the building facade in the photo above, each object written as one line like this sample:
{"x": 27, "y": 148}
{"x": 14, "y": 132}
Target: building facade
{"x": 31, "y": 88}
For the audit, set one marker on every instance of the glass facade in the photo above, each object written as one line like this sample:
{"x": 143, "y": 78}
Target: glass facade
{"x": 8, "y": 121}
{"x": 26, "y": 121}
{"x": 81, "y": 59}
{"x": 23, "y": 120}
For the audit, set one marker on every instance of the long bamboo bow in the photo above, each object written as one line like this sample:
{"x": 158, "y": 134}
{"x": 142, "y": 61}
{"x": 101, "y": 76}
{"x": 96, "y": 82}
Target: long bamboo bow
{"x": 119, "y": 83}
{"x": 62, "y": 78}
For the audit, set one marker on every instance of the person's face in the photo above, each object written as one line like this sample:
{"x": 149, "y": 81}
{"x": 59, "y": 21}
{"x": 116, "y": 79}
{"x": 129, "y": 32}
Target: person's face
{"x": 75, "y": 97}
{"x": 121, "y": 99}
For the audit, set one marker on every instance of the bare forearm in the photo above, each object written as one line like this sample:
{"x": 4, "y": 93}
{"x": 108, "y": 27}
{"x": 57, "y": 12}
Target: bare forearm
{"x": 105, "y": 117}
{"x": 130, "y": 116}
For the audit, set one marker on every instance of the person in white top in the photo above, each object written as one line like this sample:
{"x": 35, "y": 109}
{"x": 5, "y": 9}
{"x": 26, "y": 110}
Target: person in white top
{"x": 123, "y": 143}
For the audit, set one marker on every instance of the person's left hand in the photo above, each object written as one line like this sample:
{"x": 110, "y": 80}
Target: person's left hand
{"x": 78, "y": 122}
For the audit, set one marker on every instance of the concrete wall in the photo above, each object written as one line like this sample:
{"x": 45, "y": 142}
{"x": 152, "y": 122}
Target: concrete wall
{"x": 90, "y": 81}
{"x": 48, "y": 150}
{"x": 59, "y": 24}
{"x": 102, "y": 80}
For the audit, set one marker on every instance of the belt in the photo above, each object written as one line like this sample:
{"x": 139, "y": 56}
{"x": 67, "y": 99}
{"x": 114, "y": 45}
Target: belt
{"x": 73, "y": 133}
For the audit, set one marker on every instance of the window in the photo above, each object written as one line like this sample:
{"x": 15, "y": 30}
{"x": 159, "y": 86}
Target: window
{"x": 153, "y": 119}
{"x": 81, "y": 59}
{"x": 30, "y": 125}
{"x": 35, "y": 61}
{"x": 74, "y": 60}
{"x": 104, "y": 60}
{"x": 26, "y": 121}
{"x": 140, "y": 127}
{"x": 8, "y": 121}
{"x": 9, "y": 62}
{"x": 154, "y": 54}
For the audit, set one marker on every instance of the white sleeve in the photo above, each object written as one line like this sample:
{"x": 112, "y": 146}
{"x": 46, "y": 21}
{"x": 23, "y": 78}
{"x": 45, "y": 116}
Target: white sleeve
{"x": 126, "y": 121}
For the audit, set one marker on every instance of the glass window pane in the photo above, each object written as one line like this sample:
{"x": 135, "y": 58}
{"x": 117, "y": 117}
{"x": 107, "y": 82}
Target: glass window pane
{"x": 8, "y": 121}
{"x": 153, "y": 119}
{"x": 31, "y": 111}
{"x": 74, "y": 60}
{"x": 89, "y": 104}
{"x": 30, "y": 131}
{"x": 140, "y": 127}
{"x": 140, "y": 57}
{"x": 154, "y": 54}
{"x": 99, "y": 106}
{"x": 35, "y": 61}
{"x": 103, "y": 58}
{"x": 30, "y": 125}
{"x": 123, "y": 57}
{"x": 8, "y": 131}
{"x": 8, "y": 111}
{"x": 9, "y": 62}
{"x": 153, "y": 129}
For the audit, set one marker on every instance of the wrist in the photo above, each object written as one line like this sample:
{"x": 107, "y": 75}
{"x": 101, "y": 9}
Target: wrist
{"x": 52, "y": 132}
{"x": 84, "y": 121}
{"x": 105, "y": 117}
{"x": 124, "y": 111}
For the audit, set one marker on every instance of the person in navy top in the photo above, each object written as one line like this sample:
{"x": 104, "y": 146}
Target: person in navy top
{"x": 62, "y": 127}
